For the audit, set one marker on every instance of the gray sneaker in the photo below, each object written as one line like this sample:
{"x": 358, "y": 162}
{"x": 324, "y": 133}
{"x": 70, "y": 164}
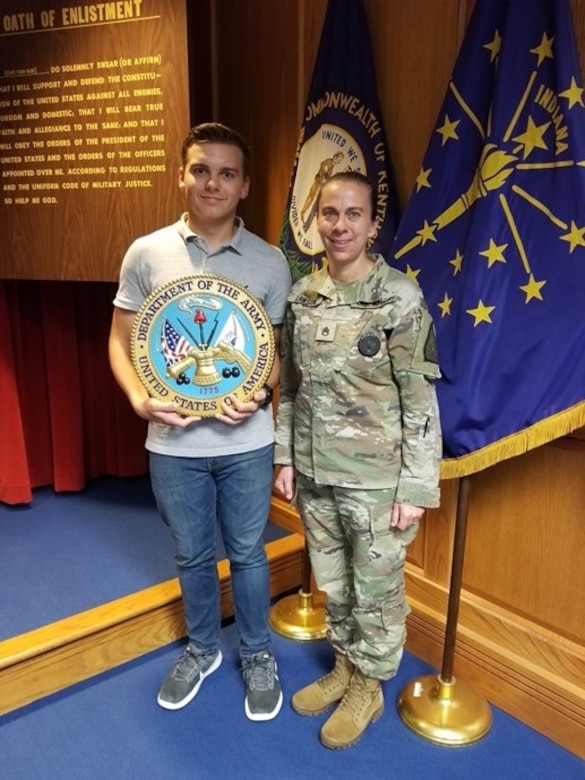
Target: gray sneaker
{"x": 184, "y": 680}
{"x": 264, "y": 696}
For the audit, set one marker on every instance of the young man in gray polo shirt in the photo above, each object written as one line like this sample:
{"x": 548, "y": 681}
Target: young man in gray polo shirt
{"x": 216, "y": 469}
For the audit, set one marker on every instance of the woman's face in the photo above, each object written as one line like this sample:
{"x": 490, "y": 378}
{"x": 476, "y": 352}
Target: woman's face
{"x": 345, "y": 223}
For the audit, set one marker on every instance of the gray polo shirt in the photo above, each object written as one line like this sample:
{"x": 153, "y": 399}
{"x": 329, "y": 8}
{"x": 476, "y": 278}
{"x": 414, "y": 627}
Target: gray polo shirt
{"x": 173, "y": 251}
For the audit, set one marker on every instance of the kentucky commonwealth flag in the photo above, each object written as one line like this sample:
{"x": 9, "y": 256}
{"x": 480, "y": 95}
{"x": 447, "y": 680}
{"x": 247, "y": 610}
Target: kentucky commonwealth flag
{"x": 494, "y": 233}
{"x": 342, "y": 130}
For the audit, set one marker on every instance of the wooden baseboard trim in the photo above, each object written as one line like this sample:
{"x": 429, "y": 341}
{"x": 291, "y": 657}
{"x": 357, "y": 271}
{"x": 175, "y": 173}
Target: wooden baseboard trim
{"x": 53, "y": 657}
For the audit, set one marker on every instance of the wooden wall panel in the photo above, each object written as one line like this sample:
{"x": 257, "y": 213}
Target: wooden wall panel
{"x": 578, "y": 11}
{"x": 257, "y": 74}
{"x": 415, "y": 45}
{"x": 526, "y": 538}
{"x": 200, "y": 44}
{"x": 313, "y": 12}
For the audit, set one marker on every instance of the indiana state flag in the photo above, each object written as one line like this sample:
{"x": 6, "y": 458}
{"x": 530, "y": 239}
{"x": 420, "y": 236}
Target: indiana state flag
{"x": 494, "y": 233}
{"x": 342, "y": 130}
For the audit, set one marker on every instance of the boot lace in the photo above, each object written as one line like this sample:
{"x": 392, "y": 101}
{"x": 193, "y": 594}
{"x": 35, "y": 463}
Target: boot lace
{"x": 332, "y": 679}
{"x": 355, "y": 698}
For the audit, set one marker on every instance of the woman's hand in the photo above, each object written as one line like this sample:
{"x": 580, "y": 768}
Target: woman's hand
{"x": 285, "y": 482}
{"x": 405, "y": 515}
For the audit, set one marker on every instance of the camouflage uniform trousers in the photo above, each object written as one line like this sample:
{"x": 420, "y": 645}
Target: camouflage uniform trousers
{"x": 358, "y": 562}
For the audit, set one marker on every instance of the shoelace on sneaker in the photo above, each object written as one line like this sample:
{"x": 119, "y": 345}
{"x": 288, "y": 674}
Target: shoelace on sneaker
{"x": 259, "y": 674}
{"x": 186, "y": 667}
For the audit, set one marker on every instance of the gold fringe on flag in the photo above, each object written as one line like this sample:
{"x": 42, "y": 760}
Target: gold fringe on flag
{"x": 518, "y": 443}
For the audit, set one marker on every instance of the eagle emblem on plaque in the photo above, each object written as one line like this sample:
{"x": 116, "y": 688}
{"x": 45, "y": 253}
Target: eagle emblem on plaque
{"x": 198, "y": 339}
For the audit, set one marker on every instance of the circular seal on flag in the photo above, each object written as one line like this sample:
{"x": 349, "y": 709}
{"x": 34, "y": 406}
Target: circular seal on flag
{"x": 332, "y": 149}
{"x": 197, "y": 339}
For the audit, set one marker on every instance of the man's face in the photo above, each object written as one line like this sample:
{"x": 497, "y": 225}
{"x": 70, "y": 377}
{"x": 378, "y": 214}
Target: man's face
{"x": 213, "y": 181}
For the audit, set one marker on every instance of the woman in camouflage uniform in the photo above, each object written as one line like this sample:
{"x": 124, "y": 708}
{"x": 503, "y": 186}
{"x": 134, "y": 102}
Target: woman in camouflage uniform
{"x": 358, "y": 439}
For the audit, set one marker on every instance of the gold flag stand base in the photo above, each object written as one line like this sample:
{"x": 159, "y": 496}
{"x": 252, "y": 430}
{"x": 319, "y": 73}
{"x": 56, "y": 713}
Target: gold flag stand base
{"x": 446, "y": 713}
{"x": 300, "y": 616}
{"x": 438, "y": 708}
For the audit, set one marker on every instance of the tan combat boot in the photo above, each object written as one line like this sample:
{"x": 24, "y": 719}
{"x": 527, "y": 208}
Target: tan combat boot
{"x": 320, "y": 695}
{"x": 362, "y": 704}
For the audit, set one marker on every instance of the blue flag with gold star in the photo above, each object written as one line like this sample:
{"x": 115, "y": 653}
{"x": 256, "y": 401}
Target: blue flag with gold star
{"x": 342, "y": 130}
{"x": 494, "y": 233}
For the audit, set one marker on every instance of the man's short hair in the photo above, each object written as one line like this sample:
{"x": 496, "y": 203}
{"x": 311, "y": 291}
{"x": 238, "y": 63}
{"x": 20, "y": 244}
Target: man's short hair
{"x": 217, "y": 133}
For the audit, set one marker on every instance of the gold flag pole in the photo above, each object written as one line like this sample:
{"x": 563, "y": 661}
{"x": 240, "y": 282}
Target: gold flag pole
{"x": 440, "y": 708}
{"x": 302, "y": 615}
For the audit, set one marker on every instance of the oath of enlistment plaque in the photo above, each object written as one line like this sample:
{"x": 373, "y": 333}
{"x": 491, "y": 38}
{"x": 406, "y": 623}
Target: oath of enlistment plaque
{"x": 198, "y": 339}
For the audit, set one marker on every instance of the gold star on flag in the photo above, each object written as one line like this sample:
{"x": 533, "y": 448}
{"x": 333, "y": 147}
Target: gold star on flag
{"x": 412, "y": 272}
{"x": 495, "y": 253}
{"x": 532, "y": 138}
{"x": 445, "y": 306}
{"x": 494, "y": 46}
{"x": 575, "y": 236}
{"x": 448, "y": 130}
{"x": 427, "y": 232}
{"x": 574, "y": 94}
{"x": 457, "y": 263}
{"x": 422, "y": 180}
{"x": 532, "y": 289}
{"x": 481, "y": 313}
{"x": 544, "y": 49}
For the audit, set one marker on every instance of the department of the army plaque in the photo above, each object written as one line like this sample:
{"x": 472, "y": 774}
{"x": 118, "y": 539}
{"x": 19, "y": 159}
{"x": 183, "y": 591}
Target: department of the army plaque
{"x": 198, "y": 339}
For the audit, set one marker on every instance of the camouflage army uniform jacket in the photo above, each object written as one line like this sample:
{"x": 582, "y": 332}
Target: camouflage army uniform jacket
{"x": 357, "y": 401}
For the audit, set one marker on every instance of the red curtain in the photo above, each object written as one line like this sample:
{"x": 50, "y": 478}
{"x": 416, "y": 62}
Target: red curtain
{"x": 63, "y": 420}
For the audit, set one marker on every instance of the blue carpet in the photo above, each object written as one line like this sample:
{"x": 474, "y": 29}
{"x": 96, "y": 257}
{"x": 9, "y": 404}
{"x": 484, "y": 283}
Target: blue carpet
{"x": 111, "y": 727}
{"x": 69, "y": 552}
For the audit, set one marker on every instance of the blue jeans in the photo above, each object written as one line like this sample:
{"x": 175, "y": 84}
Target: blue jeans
{"x": 232, "y": 491}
